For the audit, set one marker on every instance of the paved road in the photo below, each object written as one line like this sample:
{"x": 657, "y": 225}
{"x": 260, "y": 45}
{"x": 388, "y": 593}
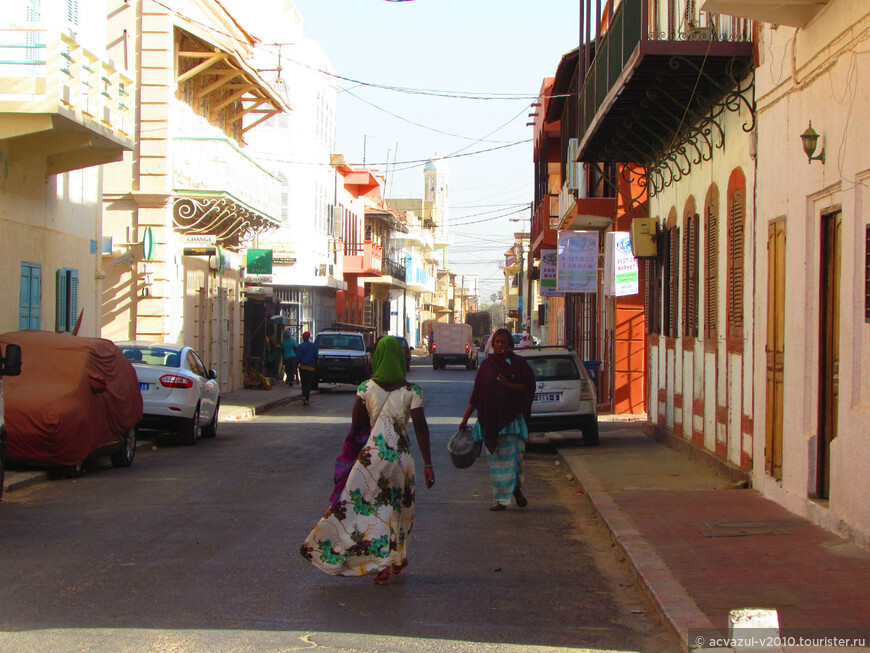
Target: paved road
{"x": 196, "y": 549}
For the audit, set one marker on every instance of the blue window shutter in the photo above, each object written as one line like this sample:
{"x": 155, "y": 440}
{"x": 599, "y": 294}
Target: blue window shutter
{"x": 61, "y": 318}
{"x": 73, "y": 311}
{"x": 30, "y": 296}
{"x": 67, "y": 300}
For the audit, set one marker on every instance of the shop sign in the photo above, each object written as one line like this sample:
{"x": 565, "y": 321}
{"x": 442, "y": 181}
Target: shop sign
{"x": 548, "y": 274}
{"x": 620, "y": 265}
{"x": 577, "y": 261}
{"x": 259, "y": 261}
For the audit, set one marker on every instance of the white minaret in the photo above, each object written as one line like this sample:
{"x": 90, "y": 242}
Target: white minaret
{"x": 436, "y": 205}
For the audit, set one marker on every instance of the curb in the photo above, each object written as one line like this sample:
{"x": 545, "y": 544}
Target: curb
{"x": 249, "y": 412}
{"x": 676, "y": 608}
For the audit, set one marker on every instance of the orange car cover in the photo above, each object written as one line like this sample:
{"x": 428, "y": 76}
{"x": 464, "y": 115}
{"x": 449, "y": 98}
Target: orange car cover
{"x": 74, "y": 395}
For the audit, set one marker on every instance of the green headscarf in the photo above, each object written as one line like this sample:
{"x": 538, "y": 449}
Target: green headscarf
{"x": 388, "y": 362}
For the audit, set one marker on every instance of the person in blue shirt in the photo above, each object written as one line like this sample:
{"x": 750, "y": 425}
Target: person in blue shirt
{"x": 288, "y": 351}
{"x": 306, "y": 355}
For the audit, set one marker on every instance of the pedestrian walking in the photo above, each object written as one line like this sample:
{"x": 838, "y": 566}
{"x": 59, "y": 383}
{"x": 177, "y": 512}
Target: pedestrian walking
{"x": 365, "y": 530}
{"x": 288, "y": 351}
{"x": 504, "y": 389}
{"x": 306, "y": 356}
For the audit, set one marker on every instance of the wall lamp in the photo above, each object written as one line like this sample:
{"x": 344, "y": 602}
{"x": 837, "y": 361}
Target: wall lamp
{"x": 810, "y": 139}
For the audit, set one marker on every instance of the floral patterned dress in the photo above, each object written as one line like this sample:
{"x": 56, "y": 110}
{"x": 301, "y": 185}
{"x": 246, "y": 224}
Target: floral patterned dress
{"x": 369, "y": 530}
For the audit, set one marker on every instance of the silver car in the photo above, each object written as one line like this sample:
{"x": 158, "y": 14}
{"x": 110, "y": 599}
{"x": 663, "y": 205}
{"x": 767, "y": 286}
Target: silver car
{"x": 178, "y": 392}
{"x": 565, "y": 398}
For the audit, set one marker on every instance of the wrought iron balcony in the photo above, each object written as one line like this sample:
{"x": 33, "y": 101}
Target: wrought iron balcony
{"x": 60, "y": 101}
{"x": 659, "y": 81}
{"x": 220, "y": 190}
{"x": 394, "y": 270}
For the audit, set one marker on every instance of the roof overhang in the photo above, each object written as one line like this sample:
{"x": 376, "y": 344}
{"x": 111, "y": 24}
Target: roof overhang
{"x": 231, "y": 82}
{"x": 795, "y": 13}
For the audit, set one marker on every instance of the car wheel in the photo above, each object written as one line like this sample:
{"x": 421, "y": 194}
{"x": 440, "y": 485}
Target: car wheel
{"x": 124, "y": 456}
{"x": 210, "y": 429}
{"x": 191, "y": 432}
{"x": 74, "y": 471}
{"x": 589, "y": 427}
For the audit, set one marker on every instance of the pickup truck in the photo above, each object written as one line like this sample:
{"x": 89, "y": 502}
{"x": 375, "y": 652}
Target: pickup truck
{"x": 343, "y": 357}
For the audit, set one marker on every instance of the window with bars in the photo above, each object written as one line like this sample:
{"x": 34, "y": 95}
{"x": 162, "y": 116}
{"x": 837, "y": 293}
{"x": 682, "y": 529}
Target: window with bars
{"x": 690, "y": 276}
{"x": 736, "y": 213}
{"x": 711, "y": 268}
{"x": 671, "y": 275}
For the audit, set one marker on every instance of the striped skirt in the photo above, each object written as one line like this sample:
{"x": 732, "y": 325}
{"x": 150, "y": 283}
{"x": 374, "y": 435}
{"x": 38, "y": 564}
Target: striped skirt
{"x": 506, "y": 464}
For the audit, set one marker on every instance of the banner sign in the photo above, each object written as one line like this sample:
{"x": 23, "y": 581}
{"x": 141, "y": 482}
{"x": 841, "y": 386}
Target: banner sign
{"x": 548, "y": 274}
{"x": 577, "y": 261}
{"x": 259, "y": 261}
{"x": 620, "y": 266}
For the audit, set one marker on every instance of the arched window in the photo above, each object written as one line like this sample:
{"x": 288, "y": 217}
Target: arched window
{"x": 711, "y": 263}
{"x": 736, "y": 246}
{"x": 671, "y": 275}
{"x": 690, "y": 271}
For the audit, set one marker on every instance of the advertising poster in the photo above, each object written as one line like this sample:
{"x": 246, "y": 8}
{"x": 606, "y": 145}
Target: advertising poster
{"x": 548, "y": 274}
{"x": 620, "y": 266}
{"x": 577, "y": 261}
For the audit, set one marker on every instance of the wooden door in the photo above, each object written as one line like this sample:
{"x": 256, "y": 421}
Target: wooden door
{"x": 774, "y": 348}
{"x": 829, "y": 347}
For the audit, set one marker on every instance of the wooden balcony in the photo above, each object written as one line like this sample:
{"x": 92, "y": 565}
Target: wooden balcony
{"x": 365, "y": 261}
{"x": 657, "y": 82}
{"x": 545, "y": 224}
{"x": 62, "y": 102}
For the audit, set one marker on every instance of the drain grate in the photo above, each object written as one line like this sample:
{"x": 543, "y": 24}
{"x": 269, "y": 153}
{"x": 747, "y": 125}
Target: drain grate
{"x": 750, "y": 527}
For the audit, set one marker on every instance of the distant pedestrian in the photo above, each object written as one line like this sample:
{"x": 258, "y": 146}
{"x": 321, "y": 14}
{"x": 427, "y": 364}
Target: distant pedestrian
{"x": 526, "y": 342}
{"x": 306, "y": 355}
{"x": 504, "y": 389}
{"x": 288, "y": 350}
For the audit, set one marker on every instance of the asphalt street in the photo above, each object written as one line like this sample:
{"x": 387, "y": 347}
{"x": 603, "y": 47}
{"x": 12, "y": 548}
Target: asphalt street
{"x": 196, "y": 549}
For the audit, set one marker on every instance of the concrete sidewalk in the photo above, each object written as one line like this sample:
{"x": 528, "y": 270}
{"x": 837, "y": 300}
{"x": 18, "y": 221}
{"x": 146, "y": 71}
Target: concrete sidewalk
{"x": 702, "y": 546}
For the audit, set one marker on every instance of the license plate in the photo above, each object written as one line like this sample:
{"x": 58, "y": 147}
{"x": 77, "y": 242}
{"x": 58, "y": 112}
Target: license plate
{"x": 548, "y": 397}
{"x": 144, "y": 386}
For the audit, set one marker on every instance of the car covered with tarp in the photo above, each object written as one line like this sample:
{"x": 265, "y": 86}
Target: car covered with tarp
{"x": 76, "y": 398}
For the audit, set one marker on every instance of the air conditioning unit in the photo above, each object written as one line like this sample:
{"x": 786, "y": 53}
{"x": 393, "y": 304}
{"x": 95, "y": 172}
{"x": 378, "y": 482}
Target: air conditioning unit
{"x": 644, "y": 237}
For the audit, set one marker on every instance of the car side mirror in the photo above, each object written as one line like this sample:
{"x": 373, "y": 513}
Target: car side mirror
{"x": 212, "y": 375}
{"x": 11, "y": 362}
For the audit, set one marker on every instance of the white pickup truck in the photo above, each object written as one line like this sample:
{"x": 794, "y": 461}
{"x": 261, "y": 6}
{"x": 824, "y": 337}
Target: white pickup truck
{"x": 453, "y": 345}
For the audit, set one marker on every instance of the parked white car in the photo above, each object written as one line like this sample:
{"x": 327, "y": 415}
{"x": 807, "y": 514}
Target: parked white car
{"x": 565, "y": 398}
{"x": 178, "y": 392}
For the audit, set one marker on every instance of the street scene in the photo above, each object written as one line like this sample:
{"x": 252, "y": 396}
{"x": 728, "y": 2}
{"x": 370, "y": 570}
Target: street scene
{"x": 197, "y": 549}
{"x": 399, "y": 325}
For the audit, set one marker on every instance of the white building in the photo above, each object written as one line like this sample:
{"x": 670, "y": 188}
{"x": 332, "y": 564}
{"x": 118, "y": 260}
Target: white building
{"x": 296, "y": 147}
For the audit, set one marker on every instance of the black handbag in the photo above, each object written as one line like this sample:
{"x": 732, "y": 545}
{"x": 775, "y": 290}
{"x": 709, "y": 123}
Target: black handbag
{"x": 462, "y": 448}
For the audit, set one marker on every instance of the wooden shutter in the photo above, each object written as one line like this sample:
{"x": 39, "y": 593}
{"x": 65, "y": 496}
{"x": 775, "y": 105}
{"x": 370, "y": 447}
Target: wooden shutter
{"x": 672, "y": 281}
{"x": 690, "y": 277}
{"x": 736, "y": 213}
{"x": 711, "y": 268}
{"x": 775, "y": 347}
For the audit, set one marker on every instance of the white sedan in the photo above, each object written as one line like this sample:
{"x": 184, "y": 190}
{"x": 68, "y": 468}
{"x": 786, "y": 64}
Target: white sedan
{"x": 178, "y": 392}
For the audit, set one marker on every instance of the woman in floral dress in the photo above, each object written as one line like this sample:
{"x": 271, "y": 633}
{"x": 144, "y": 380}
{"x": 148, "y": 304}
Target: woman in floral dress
{"x": 365, "y": 530}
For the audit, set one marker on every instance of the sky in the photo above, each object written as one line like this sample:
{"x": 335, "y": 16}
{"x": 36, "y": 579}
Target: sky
{"x": 493, "y": 53}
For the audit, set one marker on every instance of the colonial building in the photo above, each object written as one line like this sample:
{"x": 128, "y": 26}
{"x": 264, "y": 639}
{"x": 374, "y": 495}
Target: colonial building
{"x": 181, "y": 209}
{"x": 66, "y": 106}
{"x": 806, "y": 298}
